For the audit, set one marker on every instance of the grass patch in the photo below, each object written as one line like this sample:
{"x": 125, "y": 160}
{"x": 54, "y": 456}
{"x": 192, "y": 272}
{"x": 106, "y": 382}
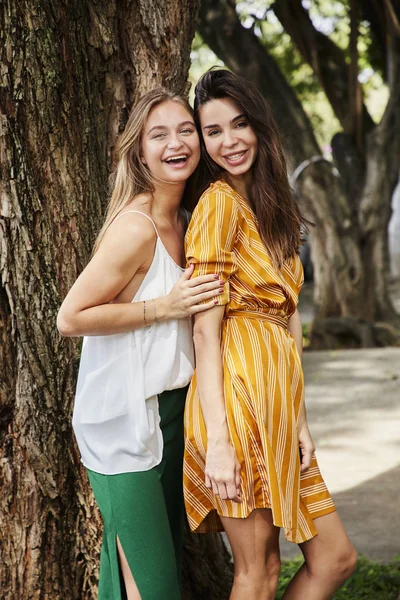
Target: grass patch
{"x": 370, "y": 581}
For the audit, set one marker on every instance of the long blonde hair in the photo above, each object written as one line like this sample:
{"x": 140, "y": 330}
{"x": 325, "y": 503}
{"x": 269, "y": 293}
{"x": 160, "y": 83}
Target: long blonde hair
{"x": 131, "y": 177}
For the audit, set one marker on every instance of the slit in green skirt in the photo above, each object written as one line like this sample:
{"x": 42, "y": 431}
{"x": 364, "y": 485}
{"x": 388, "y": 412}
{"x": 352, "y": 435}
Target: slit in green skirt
{"x": 145, "y": 510}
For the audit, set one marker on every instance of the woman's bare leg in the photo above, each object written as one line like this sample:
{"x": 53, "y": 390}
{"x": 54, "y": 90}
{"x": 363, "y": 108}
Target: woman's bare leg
{"x": 330, "y": 559}
{"x": 255, "y": 547}
{"x": 131, "y": 589}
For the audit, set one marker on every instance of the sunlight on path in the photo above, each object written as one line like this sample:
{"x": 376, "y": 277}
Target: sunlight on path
{"x": 353, "y": 405}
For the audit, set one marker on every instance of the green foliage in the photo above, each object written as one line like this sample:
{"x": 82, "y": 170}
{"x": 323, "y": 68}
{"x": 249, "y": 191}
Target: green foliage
{"x": 330, "y": 17}
{"x": 202, "y": 59}
{"x": 370, "y": 581}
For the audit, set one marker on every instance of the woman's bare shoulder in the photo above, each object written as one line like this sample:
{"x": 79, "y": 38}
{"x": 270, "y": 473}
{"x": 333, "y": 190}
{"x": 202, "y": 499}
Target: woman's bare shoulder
{"x": 131, "y": 231}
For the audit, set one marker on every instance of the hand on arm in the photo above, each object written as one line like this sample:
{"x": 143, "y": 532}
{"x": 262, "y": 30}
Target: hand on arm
{"x": 222, "y": 466}
{"x": 306, "y": 443}
{"x": 184, "y": 298}
{"x": 89, "y": 309}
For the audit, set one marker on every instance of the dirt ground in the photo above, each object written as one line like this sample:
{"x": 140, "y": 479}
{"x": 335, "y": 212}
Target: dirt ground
{"x": 353, "y": 406}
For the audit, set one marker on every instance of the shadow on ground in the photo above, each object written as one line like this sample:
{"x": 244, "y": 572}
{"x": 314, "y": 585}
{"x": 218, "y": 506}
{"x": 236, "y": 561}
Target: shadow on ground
{"x": 371, "y": 515}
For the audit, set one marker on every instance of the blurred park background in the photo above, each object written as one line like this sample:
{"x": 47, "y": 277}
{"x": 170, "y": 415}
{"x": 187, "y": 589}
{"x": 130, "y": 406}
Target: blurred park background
{"x": 69, "y": 73}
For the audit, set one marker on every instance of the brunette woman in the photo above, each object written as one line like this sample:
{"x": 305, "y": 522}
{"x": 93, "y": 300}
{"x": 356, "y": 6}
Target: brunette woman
{"x": 249, "y": 462}
{"x": 133, "y": 304}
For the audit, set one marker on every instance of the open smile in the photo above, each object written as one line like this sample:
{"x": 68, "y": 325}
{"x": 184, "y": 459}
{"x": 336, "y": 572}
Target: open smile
{"x": 178, "y": 161}
{"x": 236, "y": 158}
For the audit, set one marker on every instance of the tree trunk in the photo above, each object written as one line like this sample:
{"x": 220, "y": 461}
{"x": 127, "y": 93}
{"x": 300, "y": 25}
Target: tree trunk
{"x": 69, "y": 74}
{"x": 207, "y": 568}
{"x": 343, "y": 278}
{"x": 338, "y": 269}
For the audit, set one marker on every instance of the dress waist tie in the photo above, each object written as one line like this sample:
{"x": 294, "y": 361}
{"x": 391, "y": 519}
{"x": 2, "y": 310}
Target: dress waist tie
{"x": 277, "y": 317}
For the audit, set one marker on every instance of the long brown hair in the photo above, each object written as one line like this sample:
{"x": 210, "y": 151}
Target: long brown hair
{"x": 131, "y": 177}
{"x": 278, "y": 215}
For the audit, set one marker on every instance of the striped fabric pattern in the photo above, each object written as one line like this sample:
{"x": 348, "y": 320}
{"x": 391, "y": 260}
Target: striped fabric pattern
{"x": 263, "y": 377}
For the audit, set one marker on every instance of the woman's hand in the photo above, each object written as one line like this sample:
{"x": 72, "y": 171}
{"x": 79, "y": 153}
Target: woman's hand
{"x": 223, "y": 471}
{"x": 183, "y": 300}
{"x": 307, "y": 448}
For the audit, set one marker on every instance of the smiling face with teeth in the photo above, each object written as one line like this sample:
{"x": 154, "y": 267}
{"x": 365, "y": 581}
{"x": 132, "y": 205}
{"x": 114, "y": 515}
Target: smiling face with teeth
{"x": 170, "y": 146}
{"x": 229, "y": 139}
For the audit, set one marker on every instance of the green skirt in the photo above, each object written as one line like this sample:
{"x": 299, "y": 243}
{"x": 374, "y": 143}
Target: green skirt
{"x": 145, "y": 510}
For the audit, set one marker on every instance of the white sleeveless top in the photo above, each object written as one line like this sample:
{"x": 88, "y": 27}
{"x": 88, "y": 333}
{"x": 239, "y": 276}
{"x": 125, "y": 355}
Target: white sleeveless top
{"x": 116, "y": 418}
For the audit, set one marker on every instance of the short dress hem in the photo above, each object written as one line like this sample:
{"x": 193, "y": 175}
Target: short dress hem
{"x": 214, "y": 525}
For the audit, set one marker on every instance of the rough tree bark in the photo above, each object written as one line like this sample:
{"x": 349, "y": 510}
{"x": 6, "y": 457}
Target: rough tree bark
{"x": 69, "y": 73}
{"x": 345, "y": 276}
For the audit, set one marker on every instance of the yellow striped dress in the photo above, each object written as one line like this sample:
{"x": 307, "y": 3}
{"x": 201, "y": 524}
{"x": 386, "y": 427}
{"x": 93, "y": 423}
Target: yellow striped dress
{"x": 263, "y": 378}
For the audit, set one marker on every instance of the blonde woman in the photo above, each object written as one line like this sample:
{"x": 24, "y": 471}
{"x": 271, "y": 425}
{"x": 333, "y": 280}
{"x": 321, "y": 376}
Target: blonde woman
{"x": 133, "y": 304}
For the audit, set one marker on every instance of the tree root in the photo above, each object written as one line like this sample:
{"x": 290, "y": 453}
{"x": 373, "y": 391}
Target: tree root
{"x": 333, "y": 333}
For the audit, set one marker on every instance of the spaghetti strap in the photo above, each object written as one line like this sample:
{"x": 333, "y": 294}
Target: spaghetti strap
{"x": 135, "y": 211}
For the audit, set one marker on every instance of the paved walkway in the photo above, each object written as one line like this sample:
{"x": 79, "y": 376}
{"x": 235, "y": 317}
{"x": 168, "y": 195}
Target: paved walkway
{"x": 353, "y": 405}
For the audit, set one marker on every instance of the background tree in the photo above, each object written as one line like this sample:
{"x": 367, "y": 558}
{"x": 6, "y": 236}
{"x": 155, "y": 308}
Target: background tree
{"x": 69, "y": 74}
{"x": 351, "y": 212}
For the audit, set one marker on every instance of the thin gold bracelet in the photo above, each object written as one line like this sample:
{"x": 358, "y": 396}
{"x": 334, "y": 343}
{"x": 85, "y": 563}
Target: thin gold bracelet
{"x": 144, "y": 313}
{"x": 155, "y": 312}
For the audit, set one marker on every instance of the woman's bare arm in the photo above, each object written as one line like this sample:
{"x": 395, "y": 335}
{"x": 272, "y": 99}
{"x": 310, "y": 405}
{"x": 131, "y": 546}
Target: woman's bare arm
{"x": 306, "y": 443}
{"x": 89, "y": 309}
{"x": 222, "y": 467}
{"x": 295, "y": 328}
